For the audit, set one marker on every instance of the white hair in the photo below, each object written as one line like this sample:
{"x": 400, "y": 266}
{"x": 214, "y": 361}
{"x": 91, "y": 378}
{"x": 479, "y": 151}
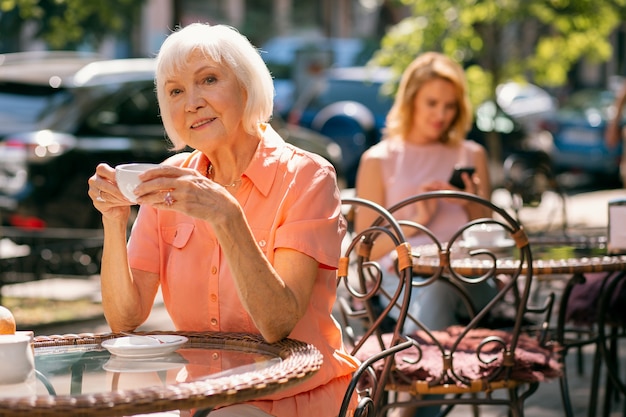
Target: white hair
{"x": 223, "y": 44}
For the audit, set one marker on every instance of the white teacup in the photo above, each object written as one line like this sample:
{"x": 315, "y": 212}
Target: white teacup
{"x": 17, "y": 361}
{"x": 127, "y": 177}
{"x": 484, "y": 234}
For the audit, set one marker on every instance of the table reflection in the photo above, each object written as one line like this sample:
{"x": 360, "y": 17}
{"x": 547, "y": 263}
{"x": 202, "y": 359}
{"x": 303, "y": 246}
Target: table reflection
{"x": 74, "y": 372}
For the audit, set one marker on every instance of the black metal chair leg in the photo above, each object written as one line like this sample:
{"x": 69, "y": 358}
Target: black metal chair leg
{"x": 612, "y": 360}
{"x": 565, "y": 398}
{"x": 595, "y": 382}
{"x": 580, "y": 361}
{"x": 561, "y": 331}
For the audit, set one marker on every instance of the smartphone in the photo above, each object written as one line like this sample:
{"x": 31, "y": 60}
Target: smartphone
{"x": 455, "y": 178}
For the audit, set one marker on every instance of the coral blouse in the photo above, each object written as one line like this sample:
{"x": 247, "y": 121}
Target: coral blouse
{"x": 290, "y": 199}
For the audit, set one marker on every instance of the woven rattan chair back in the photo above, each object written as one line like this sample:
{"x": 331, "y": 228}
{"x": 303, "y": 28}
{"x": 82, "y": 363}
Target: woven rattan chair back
{"x": 460, "y": 364}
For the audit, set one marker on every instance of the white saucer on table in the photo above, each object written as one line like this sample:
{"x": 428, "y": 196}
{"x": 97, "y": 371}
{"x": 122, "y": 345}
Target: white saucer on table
{"x": 144, "y": 346}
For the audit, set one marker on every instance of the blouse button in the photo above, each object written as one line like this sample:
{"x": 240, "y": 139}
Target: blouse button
{"x": 213, "y": 322}
{"x": 214, "y": 270}
{"x": 213, "y": 297}
{"x": 216, "y": 356}
{"x": 262, "y": 243}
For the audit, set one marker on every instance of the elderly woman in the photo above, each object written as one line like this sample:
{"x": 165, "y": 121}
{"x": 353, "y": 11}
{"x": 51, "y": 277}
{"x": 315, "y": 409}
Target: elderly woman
{"x": 243, "y": 234}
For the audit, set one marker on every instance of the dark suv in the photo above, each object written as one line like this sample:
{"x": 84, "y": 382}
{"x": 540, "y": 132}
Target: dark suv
{"x": 62, "y": 114}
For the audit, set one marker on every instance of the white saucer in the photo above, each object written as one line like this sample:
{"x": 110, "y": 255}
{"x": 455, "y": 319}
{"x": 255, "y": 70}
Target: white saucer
{"x": 144, "y": 347}
{"x": 500, "y": 244}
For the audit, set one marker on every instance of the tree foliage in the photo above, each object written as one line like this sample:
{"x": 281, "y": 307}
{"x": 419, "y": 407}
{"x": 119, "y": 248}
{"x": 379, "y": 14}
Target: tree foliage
{"x": 498, "y": 40}
{"x": 66, "y": 24}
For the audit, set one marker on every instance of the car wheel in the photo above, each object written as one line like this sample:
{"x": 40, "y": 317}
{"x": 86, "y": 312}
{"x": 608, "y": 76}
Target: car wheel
{"x": 352, "y": 139}
{"x": 350, "y": 125}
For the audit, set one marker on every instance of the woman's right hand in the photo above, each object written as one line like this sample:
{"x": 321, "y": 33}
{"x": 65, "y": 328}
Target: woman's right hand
{"x": 426, "y": 209}
{"x": 106, "y": 197}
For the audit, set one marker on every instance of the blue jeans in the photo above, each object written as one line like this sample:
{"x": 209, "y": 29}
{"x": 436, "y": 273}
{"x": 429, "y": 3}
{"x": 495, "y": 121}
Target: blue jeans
{"x": 438, "y": 305}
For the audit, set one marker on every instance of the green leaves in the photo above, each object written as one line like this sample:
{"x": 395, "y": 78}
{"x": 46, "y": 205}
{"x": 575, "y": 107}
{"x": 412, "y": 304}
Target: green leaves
{"x": 65, "y": 24}
{"x": 493, "y": 37}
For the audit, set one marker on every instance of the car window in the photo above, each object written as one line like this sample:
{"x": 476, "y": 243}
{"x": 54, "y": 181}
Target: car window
{"x": 131, "y": 114}
{"x": 140, "y": 108}
{"x": 347, "y": 51}
{"x": 367, "y": 93}
{"x": 24, "y": 106}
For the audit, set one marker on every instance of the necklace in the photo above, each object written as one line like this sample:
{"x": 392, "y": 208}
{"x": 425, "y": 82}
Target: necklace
{"x": 209, "y": 174}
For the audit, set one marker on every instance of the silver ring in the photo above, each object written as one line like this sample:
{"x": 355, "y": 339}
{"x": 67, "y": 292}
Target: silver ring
{"x": 168, "y": 200}
{"x": 100, "y": 198}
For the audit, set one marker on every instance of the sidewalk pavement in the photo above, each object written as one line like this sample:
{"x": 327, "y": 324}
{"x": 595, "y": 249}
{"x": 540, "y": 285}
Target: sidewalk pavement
{"x": 585, "y": 211}
{"x": 77, "y": 288}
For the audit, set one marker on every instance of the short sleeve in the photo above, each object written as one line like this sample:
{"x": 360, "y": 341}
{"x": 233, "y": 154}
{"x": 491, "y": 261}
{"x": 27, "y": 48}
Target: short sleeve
{"x": 313, "y": 223}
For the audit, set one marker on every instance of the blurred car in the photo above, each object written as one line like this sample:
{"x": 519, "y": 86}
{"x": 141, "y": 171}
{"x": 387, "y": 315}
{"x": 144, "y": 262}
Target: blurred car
{"x": 576, "y": 135}
{"x": 490, "y": 119}
{"x": 349, "y": 106}
{"x": 62, "y": 115}
{"x": 526, "y": 103}
{"x": 295, "y": 59}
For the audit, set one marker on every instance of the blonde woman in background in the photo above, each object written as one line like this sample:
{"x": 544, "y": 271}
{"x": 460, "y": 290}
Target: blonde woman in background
{"x": 424, "y": 140}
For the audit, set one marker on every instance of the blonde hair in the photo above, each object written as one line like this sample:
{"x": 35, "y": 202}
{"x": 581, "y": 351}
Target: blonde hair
{"x": 223, "y": 44}
{"x": 426, "y": 67}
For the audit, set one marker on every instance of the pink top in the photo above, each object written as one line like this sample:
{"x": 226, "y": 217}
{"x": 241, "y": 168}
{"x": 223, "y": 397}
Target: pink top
{"x": 406, "y": 166}
{"x": 291, "y": 200}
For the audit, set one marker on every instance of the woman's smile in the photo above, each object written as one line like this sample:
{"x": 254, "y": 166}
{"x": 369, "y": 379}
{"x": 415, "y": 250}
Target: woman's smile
{"x": 202, "y": 122}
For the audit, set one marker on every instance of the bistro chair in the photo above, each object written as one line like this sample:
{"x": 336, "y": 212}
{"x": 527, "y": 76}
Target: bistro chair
{"x": 612, "y": 317}
{"x": 593, "y": 313}
{"x": 500, "y": 347}
{"x": 359, "y": 306}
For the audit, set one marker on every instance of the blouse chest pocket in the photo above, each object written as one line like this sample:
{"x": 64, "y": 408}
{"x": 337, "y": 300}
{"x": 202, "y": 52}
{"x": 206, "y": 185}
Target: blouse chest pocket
{"x": 177, "y": 235}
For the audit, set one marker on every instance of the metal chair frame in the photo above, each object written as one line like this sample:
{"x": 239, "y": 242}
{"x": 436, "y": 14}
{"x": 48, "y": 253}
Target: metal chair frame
{"x": 376, "y": 389}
